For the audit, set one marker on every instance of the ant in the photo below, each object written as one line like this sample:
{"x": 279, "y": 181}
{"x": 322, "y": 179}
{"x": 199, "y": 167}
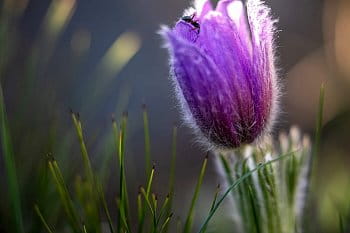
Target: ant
{"x": 194, "y": 23}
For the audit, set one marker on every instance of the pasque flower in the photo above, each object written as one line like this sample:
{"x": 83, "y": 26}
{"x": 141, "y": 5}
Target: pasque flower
{"x": 222, "y": 65}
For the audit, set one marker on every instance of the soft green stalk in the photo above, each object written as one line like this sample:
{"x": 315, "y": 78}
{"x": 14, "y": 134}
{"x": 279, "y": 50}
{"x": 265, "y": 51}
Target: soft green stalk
{"x": 189, "y": 219}
{"x": 234, "y": 185}
{"x": 316, "y": 145}
{"x": 266, "y": 176}
{"x": 10, "y": 166}
{"x": 42, "y": 219}
{"x": 213, "y": 203}
{"x": 150, "y": 181}
{"x": 155, "y": 206}
{"x": 147, "y": 141}
{"x": 253, "y": 200}
{"x": 65, "y": 196}
{"x": 92, "y": 204}
{"x": 227, "y": 169}
{"x": 141, "y": 206}
{"x": 148, "y": 195}
{"x": 173, "y": 161}
{"x": 109, "y": 152}
{"x": 140, "y": 217}
{"x": 215, "y": 197}
{"x": 319, "y": 122}
{"x": 165, "y": 224}
{"x": 164, "y": 208}
{"x": 123, "y": 193}
{"x": 105, "y": 207}
{"x": 172, "y": 173}
{"x": 148, "y": 202}
{"x": 84, "y": 153}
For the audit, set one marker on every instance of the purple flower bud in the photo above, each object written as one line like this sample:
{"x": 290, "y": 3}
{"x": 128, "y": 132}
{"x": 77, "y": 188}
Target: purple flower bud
{"x": 222, "y": 64}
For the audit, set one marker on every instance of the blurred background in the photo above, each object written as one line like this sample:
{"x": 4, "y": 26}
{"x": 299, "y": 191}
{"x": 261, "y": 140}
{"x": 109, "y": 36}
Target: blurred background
{"x": 104, "y": 57}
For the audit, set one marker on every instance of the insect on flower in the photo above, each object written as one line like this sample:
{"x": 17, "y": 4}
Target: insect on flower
{"x": 190, "y": 20}
{"x": 225, "y": 78}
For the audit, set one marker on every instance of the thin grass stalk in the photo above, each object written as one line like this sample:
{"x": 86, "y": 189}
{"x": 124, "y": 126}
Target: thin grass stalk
{"x": 319, "y": 123}
{"x": 234, "y": 185}
{"x": 42, "y": 219}
{"x": 117, "y": 137}
{"x": 253, "y": 199}
{"x": 65, "y": 194}
{"x": 316, "y": 145}
{"x": 149, "y": 204}
{"x": 173, "y": 161}
{"x": 65, "y": 197}
{"x": 92, "y": 215}
{"x": 84, "y": 153}
{"x": 10, "y": 166}
{"x": 121, "y": 183}
{"x": 105, "y": 207}
{"x": 189, "y": 219}
{"x": 172, "y": 174}
{"x": 214, "y": 201}
{"x": 141, "y": 205}
{"x": 245, "y": 199}
{"x": 240, "y": 200}
{"x": 155, "y": 206}
{"x": 165, "y": 224}
{"x": 266, "y": 178}
{"x": 147, "y": 140}
{"x": 140, "y": 213}
{"x": 123, "y": 217}
{"x": 150, "y": 181}
{"x": 163, "y": 209}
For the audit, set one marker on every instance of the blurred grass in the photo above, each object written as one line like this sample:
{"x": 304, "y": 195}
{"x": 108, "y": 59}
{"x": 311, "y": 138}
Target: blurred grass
{"x": 10, "y": 166}
{"x": 35, "y": 108}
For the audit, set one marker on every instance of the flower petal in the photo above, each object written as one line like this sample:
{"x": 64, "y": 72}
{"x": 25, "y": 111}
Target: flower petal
{"x": 206, "y": 91}
{"x": 221, "y": 41}
{"x": 262, "y": 28}
{"x": 202, "y": 7}
{"x": 235, "y": 10}
{"x": 186, "y": 31}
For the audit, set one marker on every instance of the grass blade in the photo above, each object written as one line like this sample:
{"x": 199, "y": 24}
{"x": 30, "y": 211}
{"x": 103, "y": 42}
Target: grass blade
{"x": 65, "y": 196}
{"x": 163, "y": 208}
{"x": 173, "y": 162}
{"x": 123, "y": 195}
{"x": 316, "y": 146}
{"x": 105, "y": 207}
{"x": 150, "y": 181}
{"x": 319, "y": 121}
{"x": 38, "y": 212}
{"x": 189, "y": 219}
{"x": 215, "y": 197}
{"x": 165, "y": 224}
{"x": 147, "y": 140}
{"x": 84, "y": 153}
{"x": 234, "y": 185}
{"x": 10, "y": 166}
{"x": 214, "y": 201}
